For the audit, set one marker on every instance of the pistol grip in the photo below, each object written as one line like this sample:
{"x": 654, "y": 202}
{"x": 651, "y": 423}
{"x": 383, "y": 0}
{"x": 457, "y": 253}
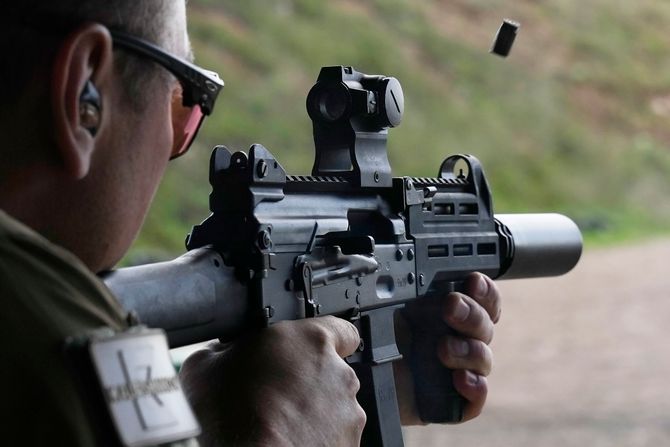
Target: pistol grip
{"x": 436, "y": 398}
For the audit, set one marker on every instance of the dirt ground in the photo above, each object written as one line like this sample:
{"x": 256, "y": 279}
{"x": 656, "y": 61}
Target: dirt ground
{"x": 580, "y": 360}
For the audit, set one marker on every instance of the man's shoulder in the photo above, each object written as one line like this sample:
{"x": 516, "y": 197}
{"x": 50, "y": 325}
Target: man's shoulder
{"x": 46, "y": 295}
{"x": 24, "y": 249}
{"x": 43, "y": 282}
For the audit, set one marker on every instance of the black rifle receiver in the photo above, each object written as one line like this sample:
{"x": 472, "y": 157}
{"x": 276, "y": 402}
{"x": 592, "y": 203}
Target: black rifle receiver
{"x": 350, "y": 240}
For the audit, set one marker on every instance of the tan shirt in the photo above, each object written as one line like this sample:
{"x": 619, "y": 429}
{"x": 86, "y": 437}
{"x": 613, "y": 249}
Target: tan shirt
{"x": 46, "y": 294}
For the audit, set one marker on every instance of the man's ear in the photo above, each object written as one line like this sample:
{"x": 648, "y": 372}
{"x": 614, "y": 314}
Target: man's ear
{"x": 81, "y": 68}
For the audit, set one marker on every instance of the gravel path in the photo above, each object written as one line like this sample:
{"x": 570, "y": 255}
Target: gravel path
{"x": 580, "y": 360}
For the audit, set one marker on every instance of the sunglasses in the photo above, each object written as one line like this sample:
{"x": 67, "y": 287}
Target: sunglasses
{"x": 191, "y": 103}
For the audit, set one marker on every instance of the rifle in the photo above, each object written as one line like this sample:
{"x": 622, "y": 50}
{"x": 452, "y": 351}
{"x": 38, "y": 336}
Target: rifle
{"x": 351, "y": 241}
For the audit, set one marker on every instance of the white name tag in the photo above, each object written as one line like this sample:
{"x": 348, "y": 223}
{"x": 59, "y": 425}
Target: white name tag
{"x": 141, "y": 388}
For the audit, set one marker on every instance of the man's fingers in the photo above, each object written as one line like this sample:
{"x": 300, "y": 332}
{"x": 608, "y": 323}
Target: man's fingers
{"x": 474, "y": 389}
{"x": 484, "y": 291}
{"x": 330, "y": 332}
{"x": 468, "y": 318}
{"x": 462, "y": 353}
{"x": 343, "y": 335}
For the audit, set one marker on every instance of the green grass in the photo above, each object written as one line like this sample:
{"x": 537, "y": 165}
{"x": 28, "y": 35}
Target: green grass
{"x": 564, "y": 124}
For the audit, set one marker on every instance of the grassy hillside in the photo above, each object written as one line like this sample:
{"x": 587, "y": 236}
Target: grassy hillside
{"x": 576, "y": 120}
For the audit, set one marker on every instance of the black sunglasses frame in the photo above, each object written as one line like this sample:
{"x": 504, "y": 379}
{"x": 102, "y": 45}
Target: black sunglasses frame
{"x": 199, "y": 86}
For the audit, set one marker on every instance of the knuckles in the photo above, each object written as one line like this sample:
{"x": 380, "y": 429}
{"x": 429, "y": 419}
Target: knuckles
{"x": 319, "y": 336}
{"x": 360, "y": 419}
{"x": 352, "y": 383}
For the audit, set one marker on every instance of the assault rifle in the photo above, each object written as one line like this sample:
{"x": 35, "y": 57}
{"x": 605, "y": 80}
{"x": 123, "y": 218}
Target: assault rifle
{"x": 350, "y": 240}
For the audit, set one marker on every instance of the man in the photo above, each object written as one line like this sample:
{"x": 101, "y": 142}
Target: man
{"x": 89, "y": 123}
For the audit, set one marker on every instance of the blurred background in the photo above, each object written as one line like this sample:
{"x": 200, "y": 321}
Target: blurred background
{"x": 576, "y": 120}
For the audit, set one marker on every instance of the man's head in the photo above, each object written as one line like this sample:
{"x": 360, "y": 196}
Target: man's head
{"x": 89, "y": 126}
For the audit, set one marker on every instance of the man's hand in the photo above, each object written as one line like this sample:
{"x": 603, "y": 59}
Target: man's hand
{"x": 472, "y": 314}
{"x": 286, "y": 385}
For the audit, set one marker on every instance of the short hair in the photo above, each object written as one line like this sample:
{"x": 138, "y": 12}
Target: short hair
{"x": 24, "y": 53}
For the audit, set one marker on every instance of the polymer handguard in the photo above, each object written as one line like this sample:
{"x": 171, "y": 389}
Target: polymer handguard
{"x": 350, "y": 241}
